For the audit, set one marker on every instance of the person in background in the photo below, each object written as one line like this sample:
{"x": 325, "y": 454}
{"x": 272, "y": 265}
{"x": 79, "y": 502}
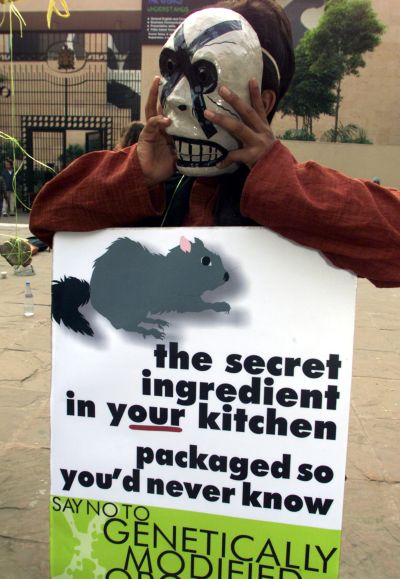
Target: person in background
{"x": 206, "y": 92}
{"x": 3, "y": 192}
{"x": 130, "y": 135}
{"x": 10, "y": 197}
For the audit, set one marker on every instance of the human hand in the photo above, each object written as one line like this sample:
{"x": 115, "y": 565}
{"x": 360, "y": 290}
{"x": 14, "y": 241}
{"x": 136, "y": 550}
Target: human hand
{"x": 155, "y": 149}
{"x": 252, "y": 129}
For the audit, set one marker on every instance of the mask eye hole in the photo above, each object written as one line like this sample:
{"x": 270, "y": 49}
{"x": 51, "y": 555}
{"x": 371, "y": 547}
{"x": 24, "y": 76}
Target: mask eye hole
{"x": 206, "y": 260}
{"x": 205, "y": 75}
{"x": 168, "y": 63}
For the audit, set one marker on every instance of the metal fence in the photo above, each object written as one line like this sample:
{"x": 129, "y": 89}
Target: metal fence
{"x": 75, "y": 95}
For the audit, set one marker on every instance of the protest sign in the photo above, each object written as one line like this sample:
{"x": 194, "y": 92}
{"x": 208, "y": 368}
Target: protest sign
{"x": 200, "y": 401}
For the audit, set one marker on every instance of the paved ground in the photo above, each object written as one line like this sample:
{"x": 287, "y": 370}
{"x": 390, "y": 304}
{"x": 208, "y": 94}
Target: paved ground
{"x": 371, "y": 537}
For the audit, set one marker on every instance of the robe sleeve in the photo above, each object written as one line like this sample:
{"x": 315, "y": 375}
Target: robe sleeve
{"x": 98, "y": 190}
{"x": 355, "y": 223}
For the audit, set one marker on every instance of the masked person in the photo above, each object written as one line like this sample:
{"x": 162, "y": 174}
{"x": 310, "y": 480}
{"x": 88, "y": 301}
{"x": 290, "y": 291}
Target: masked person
{"x": 222, "y": 74}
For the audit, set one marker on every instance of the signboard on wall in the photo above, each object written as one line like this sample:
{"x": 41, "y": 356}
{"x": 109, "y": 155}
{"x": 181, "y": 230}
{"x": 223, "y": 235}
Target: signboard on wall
{"x": 161, "y": 17}
{"x": 200, "y": 400}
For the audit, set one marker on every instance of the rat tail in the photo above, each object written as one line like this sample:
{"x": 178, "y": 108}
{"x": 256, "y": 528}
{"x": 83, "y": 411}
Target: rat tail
{"x": 68, "y": 295}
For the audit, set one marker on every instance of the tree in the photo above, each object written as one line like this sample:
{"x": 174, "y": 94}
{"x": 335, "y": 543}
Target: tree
{"x": 311, "y": 91}
{"x": 347, "y": 30}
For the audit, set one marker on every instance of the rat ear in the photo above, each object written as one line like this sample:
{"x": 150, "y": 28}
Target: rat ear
{"x": 197, "y": 240}
{"x": 185, "y": 245}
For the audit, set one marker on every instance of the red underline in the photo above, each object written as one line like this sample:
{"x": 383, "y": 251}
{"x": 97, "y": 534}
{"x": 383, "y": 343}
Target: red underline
{"x": 159, "y": 428}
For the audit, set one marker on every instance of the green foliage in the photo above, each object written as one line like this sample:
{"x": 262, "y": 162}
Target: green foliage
{"x": 297, "y": 135}
{"x": 40, "y": 176}
{"x": 6, "y": 150}
{"x": 347, "y": 134}
{"x": 71, "y": 152}
{"x": 362, "y": 137}
{"x": 347, "y": 30}
{"x": 311, "y": 91}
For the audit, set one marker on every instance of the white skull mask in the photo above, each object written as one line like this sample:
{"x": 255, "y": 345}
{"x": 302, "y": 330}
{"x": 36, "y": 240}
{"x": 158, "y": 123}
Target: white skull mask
{"x": 212, "y": 47}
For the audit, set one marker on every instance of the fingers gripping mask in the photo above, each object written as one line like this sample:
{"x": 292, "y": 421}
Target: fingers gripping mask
{"x": 212, "y": 47}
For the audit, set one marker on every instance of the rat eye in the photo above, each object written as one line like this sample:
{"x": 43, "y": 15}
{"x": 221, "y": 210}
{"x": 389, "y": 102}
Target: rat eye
{"x": 205, "y": 75}
{"x": 206, "y": 260}
{"x": 168, "y": 63}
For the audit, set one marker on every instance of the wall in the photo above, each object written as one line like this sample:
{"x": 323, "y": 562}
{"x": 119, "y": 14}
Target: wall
{"x": 79, "y": 5}
{"x": 361, "y": 161}
{"x": 86, "y": 15}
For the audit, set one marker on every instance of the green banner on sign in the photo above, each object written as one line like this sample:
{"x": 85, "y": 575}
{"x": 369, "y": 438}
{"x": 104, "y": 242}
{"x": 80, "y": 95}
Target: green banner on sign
{"x": 93, "y": 539}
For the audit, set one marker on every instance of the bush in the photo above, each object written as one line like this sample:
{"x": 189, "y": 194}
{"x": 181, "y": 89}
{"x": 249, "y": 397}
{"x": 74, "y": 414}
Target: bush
{"x": 347, "y": 134}
{"x": 39, "y": 179}
{"x": 7, "y": 150}
{"x": 72, "y": 152}
{"x": 297, "y": 135}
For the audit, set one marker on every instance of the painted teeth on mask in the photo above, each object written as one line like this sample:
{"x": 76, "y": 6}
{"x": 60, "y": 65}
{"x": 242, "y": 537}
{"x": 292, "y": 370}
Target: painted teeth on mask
{"x": 197, "y": 154}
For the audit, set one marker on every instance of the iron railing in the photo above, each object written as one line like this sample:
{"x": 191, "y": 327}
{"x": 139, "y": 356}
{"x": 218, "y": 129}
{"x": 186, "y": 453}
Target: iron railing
{"x": 57, "y": 114}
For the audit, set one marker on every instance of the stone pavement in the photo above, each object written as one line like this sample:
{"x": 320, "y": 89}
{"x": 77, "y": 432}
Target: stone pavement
{"x": 371, "y": 535}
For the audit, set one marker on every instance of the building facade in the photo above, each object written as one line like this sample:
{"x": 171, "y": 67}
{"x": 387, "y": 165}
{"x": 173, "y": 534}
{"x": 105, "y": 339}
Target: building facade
{"x": 78, "y": 85}
{"x": 71, "y": 89}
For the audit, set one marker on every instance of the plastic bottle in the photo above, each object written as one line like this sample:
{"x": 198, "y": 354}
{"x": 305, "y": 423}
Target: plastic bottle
{"x": 29, "y": 308}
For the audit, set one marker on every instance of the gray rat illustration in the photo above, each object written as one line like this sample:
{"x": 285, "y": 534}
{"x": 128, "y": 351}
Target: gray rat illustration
{"x": 129, "y": 283}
